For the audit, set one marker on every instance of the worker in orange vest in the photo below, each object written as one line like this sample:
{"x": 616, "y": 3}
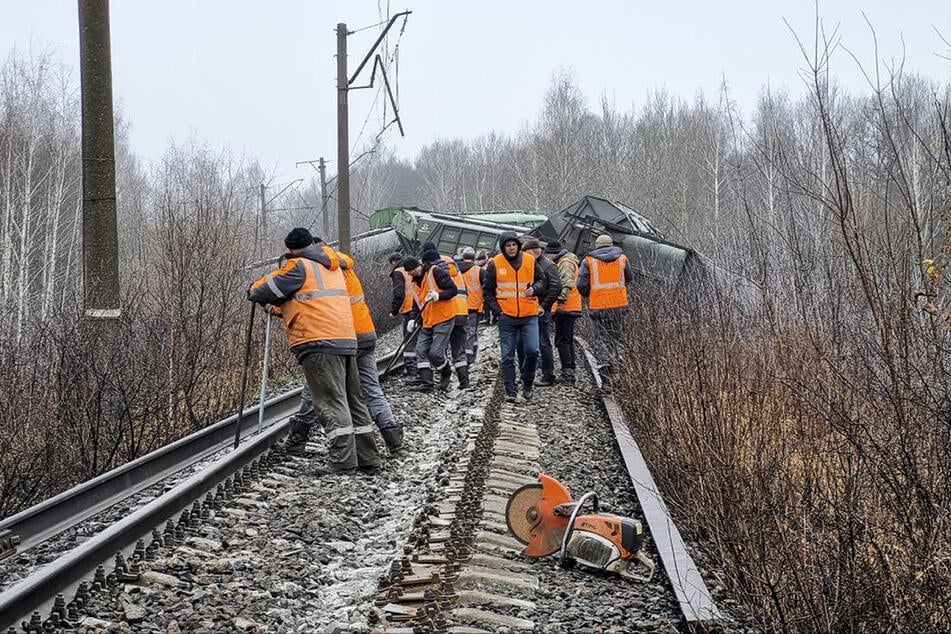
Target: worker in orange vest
{"x": 603, "y": 278}
{"x": 457, "y": 338}
{"x": 474, "y": 277}
{"x": 434, "y": 286}
{"x": 512, "y": 286}
{"x": 379, "y": 407}
{"x": 567, "y": 308}
{"x": 405, "y": 305}
{"x": 312, "y": 293}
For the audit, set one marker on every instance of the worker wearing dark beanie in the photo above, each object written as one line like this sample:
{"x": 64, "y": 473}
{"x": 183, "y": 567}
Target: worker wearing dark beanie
{"x": 298, "y": 238}
{"x": 311, "y": 289}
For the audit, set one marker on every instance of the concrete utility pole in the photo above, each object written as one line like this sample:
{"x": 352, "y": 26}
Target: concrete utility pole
{"x": 343, "y": 124}
{"x": 100, "y": 227}
{"x": 323, "y": 197}
{"x": 343, "y": 143}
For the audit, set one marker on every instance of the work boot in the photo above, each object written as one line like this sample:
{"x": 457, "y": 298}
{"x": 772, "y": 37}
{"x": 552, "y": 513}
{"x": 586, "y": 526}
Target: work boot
{"x": 463, "y": 374}
{"x": 511, "y": 397}
{"x": 297, "y": 434}
{"x": 527, "y": 391}
{"x": 393, "y": 437}
{"x": 547, "y": 380}
{"x": 370, "y": 470}
{"x": 425, "y": 381}
{"x": 445, "y": 375}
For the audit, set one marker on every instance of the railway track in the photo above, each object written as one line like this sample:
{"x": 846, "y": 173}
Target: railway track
{"x": 207, "y": 471}
{"x": 421, "y": 548}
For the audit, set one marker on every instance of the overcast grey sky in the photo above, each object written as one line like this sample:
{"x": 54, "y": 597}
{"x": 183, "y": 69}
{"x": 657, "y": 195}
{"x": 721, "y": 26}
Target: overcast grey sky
{"x": 260, "y": 76}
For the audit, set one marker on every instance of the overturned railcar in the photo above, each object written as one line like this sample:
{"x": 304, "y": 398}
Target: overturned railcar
{"x": 655, "y": 258}
{"x": 451, "y": 233}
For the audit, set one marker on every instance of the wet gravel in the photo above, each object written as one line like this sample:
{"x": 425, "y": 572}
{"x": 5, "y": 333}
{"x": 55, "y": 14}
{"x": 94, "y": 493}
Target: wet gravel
{"x": 578, "y": 448}
{"x": 300, "y": 552}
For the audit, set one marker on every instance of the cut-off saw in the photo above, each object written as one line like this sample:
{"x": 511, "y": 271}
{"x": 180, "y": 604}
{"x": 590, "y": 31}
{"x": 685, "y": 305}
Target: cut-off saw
{"x": 545, "y": 518}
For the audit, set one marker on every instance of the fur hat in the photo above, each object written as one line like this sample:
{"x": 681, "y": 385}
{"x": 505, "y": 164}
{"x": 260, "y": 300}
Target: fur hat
{"x": 298, "y": 238}
{"x": 604, "y": 240}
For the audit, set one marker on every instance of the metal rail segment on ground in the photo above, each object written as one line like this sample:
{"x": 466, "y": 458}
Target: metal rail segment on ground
{"x": 57, "y": 514}
{"x": 691, "y": 591}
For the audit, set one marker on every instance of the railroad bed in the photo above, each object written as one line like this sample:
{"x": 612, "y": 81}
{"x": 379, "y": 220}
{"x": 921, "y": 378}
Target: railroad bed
{"x": 293, "y": 551}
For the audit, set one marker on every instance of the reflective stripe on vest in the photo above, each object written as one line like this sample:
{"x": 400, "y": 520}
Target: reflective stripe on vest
{"x": 440, "y": 310}
{"x": 510, "y": 286}
{"x": 362, "y": 321}
{"x": 473, "y": 289}
{"x": 572, "y": 303}
{"x": 607, "y": 283}
{"x": 319, "y": 310}
{"x": 409, "y": 292}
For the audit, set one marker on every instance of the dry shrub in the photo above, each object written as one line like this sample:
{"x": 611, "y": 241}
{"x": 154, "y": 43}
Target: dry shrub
{"x": 822, "y": 487}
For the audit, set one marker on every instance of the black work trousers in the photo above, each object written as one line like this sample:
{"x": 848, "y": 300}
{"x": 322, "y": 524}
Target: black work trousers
{"x": 565, "y": 338}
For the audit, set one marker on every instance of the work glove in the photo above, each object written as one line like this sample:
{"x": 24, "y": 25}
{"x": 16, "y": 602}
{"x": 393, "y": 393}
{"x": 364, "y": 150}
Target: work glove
{"x": 432, "y": 296}
{"x": 410, "y": 327}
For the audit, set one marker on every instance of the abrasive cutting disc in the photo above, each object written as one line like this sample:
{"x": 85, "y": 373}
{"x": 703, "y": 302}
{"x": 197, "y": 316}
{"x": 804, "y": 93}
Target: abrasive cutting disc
{"x": 520, "y": 513}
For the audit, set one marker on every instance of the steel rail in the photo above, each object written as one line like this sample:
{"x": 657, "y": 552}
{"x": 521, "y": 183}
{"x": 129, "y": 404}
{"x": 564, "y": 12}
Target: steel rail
{"x": 37, "y": 592}
{"x": 41, "y": 522}
{"x": 693, "y": 596}
{"x": 57, "y": 514}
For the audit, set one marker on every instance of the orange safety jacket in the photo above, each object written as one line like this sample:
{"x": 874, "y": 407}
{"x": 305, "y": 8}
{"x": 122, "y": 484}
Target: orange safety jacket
{"x": 319, "y": 311}
{"x": 510, "y": 286}
{"x": 473, "y": 289}
{"x": 460, "y": 301}
{"x": 440, "y": 310}
{"x": 607, "y": 283}
{"x": 362, "y": 321}
{"x": 409, "y": 292}
{"x": 572, "y": 303}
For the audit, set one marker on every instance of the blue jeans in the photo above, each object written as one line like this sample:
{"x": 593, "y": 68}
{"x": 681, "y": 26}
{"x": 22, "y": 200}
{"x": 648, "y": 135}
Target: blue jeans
{"x": 512, "y": 332}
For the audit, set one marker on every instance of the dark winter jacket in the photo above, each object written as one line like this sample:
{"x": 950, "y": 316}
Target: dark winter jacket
{"x": 539, "y": 281}
{"x": 605, "y": 254}
{"x": 552, "y": 283}
{"x": 447, "y": 288}
{"x": 399, "y": 292}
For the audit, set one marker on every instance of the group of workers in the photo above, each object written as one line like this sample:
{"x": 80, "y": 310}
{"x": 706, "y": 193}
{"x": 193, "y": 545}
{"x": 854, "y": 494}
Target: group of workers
{"x": 527, "y": 289}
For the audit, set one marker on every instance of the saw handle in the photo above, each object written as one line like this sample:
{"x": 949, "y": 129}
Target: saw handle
{"x": 563, "y": 556}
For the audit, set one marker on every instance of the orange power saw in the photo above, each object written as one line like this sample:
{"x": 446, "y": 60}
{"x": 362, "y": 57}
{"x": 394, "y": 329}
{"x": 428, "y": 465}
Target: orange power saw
{"x": 545, "y": 518}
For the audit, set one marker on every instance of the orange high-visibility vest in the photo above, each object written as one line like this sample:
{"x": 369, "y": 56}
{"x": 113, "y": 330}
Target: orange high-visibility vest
{"x": 440, "y": 310}
{"x": 320, "y": 309}
{"x": 573, "y": 302}
{"x": 607, "y": 283}
{"x": 460, "y": 301}
{"x": 510, "y": 284}
{"x": 409, "y": 291}
{"x": 473, "y": 289}
{"x": 362, "y": 321}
